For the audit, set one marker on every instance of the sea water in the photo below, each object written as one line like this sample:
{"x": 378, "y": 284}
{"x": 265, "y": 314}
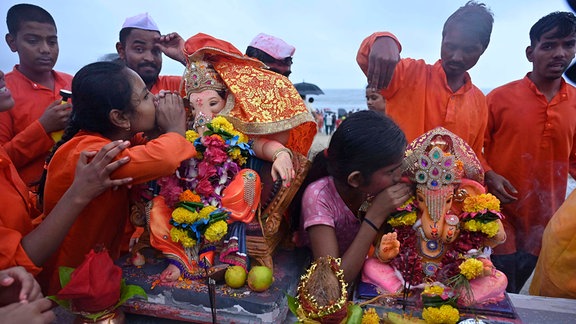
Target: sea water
{"x": 347, "y": 99}
{"x": 335, "y": 99}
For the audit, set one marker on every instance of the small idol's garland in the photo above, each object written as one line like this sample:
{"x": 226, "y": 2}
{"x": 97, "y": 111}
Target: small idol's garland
{"x": 195, "y": 191}
{"x": 457, "y": 266}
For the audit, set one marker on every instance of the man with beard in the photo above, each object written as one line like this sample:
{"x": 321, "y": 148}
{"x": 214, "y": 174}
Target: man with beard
{"x": 141, "y": 46}
{"x": 420, "y": 96}
{"x": 25, "y": 131}
{"x": 530, "y": 145}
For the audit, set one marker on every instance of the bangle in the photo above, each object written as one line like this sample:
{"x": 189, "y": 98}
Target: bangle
{"x": 369, "y": 222}
{"x": 281, "y": 150}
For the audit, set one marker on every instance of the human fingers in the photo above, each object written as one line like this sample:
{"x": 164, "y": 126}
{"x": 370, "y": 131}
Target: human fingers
{"x": 108, "y": 153}
{"x": 29, "y": 288}
{"x": 43, "y": 307}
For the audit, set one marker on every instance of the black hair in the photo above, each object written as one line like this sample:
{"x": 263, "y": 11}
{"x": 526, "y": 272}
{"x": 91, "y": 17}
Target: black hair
{"x": 24, "y": 12}
{"x": 366, "y": 141}
{"x": 264, "y": 57}
{"x": 97, "y": 88}
{"x": 123, "y": 35}
{"x": 475, "y": 18}
{"x": 564, "y": 21}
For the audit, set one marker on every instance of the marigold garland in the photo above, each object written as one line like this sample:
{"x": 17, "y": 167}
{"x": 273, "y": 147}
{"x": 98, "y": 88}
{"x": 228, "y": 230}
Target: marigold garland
{"x": 444, "y": 314}
{"x": 370, "y": 317}
{"x": 471, "y": 268}
{"x": 198, "y": 216}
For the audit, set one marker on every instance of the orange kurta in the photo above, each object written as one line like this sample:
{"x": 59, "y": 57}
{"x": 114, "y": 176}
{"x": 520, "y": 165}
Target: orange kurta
{"x": 532, "y": 143}
{"x": 555, "y": 274}
{"x": 15, "y": 219}
{"x": 23, "y": 137}
{"x": 166, "y": 82}
{"x": 419, "y": 99}
{"x": 103, "y": 220}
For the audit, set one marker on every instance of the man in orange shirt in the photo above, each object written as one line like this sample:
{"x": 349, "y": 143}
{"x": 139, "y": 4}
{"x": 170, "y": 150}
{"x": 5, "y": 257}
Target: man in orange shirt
{"x": 141, "y": 47}
{"x": 419, "y": 96}
{"x": 25, "y": 130}
{"x": 530, "y": 145}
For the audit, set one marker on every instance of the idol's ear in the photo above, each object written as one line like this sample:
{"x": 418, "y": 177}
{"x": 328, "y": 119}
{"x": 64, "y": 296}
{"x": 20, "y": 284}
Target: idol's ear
{"x": 466, "y": 188}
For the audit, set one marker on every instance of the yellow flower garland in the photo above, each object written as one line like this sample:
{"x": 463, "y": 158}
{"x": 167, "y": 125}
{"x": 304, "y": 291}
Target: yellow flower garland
{"x": 444, "y": 314}
{"x": 471, "y": 268}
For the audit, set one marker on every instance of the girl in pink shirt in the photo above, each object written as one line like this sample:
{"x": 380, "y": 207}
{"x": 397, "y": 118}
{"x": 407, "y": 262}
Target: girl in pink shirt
{"x": 352, "y": 187}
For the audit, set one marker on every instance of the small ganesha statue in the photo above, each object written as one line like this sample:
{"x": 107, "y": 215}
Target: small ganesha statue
{"x": 449, "y": 220}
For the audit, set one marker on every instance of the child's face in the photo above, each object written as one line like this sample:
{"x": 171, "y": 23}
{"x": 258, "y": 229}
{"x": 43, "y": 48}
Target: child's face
{"x": 37, "y": 46}
{"x": 375, "y": 101}
{"x": 143, "y": 117}
{"x": 208, "y": 102}
{"x": 383, "y": 178}
{"x": 6, "y": 100}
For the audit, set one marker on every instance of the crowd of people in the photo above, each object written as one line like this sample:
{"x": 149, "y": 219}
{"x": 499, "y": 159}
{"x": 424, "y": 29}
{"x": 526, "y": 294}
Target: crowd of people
{"x": 68, "y": 167}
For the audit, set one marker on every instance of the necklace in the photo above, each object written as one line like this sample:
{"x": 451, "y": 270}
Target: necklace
{"x": 432, "y": 245}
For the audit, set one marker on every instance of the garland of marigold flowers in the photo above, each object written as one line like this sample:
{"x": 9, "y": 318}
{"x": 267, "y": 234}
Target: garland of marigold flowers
{"x": 195, "y": 190}
{"x": 409, "y": 262}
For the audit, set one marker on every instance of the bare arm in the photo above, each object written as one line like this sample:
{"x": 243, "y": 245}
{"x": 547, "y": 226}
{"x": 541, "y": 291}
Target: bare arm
{"x": 382, "y": 60}
{"x": 172, "y": 45}
{"x": 92, "y": 178}
{"x": 280, "y": 156}
{"x": 323, "y": 240}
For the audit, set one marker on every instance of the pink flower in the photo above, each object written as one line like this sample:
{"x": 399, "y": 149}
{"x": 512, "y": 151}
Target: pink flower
{"x": 204, "y": 188}
{"x": 214, "y": 141}
{"x": 215, "y": 155}
{"x": 206, "y": 170}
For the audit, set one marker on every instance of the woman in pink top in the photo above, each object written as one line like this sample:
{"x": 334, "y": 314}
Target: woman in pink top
{"x": 352, "y": 187}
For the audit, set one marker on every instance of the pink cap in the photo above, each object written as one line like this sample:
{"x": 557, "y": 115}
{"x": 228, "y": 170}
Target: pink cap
{"x": 141, "y": 21}
{"x": 273, "y": 46}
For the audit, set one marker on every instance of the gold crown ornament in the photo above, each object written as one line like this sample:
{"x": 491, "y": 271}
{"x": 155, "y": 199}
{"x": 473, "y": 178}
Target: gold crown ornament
{"x": 199, "y": 76}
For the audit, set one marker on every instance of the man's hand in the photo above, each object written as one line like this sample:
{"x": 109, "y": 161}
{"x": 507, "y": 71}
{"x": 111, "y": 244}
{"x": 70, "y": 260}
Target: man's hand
{"x": 18, "y": 285}
{"x": 56, "y": 116}
{"x": 36, "y": 312}
{"x": 172, "y": 45}
{"x": 384, "y": 55}
{"x": 500, "y": 187}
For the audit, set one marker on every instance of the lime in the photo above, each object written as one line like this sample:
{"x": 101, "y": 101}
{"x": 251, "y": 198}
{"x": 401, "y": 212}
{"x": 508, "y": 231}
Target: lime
{"x": 260, "y": 278}
{"x": 235, "y": 276}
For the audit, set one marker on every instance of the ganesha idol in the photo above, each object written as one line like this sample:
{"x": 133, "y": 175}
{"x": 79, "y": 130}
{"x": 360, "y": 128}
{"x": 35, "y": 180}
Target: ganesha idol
{"x": 449, "y": 220}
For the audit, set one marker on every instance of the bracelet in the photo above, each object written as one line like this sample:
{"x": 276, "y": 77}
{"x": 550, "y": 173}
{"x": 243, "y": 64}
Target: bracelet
{"x": 369, "y": 222}
{"x": 281, "y": 150}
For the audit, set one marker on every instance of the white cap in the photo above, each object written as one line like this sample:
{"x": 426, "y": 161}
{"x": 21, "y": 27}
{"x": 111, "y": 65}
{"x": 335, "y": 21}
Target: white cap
{"x": 273, "y": 46}
{"x": 141, "y": 21}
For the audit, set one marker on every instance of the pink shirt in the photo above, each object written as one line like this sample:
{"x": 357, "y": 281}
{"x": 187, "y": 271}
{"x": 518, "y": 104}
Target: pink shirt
{"x": 322, "y": 205}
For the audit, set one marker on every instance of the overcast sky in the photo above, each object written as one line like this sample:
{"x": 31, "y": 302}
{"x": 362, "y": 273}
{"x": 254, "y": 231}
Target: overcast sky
{"x": 326, "y": 33}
